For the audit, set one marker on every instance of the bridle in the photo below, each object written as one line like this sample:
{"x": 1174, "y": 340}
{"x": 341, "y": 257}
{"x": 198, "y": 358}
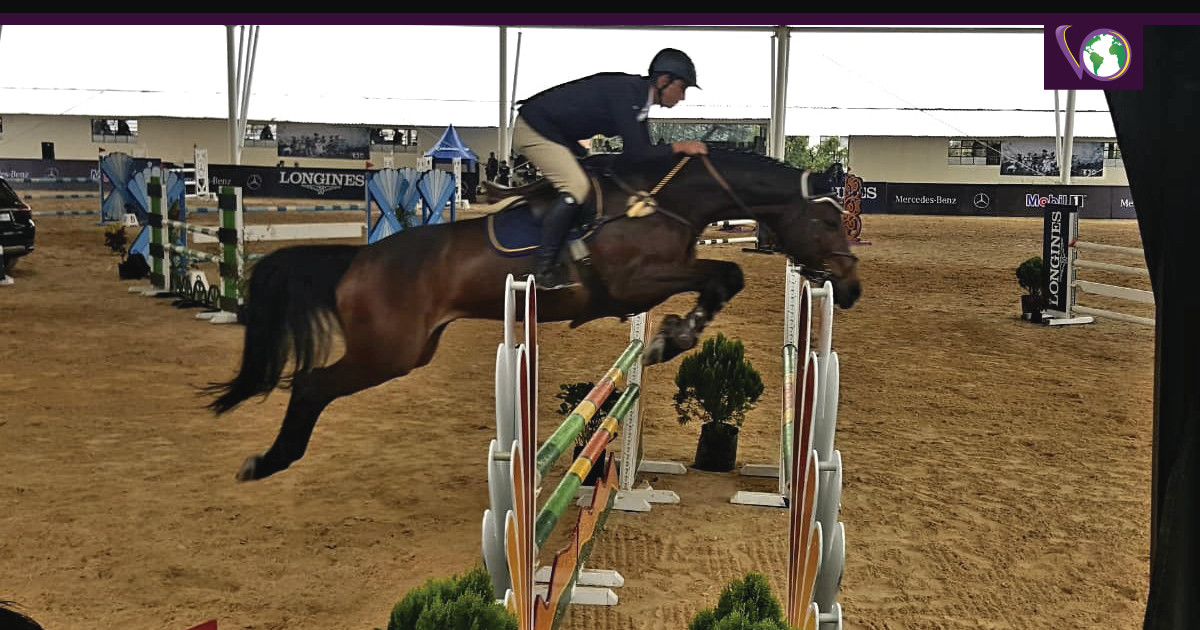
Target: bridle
{"x": 724, "y": 184}
{"x": 812, "y": 273}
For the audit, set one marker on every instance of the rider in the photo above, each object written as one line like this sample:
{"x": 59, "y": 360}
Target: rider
{"x": 551, "y": 124}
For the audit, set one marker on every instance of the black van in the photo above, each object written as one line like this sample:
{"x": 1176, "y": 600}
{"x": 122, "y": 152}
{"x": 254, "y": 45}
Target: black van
{"x": 16, "y": 227}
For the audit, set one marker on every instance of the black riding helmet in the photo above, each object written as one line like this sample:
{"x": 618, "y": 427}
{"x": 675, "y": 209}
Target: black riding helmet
{"x": 675, "y": 63}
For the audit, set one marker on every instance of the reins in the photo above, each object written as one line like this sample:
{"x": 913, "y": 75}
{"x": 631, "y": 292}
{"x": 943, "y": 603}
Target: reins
{"x": 721, "y": 181}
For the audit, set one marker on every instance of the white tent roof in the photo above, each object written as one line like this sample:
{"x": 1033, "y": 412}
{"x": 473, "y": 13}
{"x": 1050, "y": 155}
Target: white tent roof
{"x": 349, "y": 109}
{"x": 876, "y": 83}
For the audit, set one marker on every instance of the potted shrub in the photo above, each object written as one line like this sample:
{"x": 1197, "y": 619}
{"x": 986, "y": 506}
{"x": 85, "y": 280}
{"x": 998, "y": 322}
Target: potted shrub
{"x": 745, "y": 604}
{"x": 459, "y": 601}
{"x": 1029, "y": 276}
{"x": 718, "y": 385}
{"x": 571, "y": 394}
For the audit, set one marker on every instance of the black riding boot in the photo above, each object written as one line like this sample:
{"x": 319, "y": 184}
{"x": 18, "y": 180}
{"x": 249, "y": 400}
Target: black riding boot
{"x": 548, "y": 273}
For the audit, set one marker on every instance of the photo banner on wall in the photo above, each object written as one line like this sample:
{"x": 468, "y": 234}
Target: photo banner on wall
{"x": 1039, "y": 158}
{"x": 308, "y": 140}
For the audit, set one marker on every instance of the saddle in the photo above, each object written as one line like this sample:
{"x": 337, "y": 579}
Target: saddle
{"x": 541, "y": 192}
{"x": 537, "y": 190}
{"x": 514, "y": 228}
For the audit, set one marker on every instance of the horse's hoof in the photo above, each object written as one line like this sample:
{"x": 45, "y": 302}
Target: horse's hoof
{"x": 247, "y": 473}
{"x": 683, "y": 341}
{"x": 654, "y": 352}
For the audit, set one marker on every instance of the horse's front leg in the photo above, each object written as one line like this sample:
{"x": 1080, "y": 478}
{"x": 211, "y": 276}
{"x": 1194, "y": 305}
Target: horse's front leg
{"x": 716, "y": 280}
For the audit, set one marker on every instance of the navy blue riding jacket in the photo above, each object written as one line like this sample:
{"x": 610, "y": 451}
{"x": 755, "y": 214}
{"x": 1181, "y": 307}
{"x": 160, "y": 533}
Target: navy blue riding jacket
{"x": 607, "y": 104}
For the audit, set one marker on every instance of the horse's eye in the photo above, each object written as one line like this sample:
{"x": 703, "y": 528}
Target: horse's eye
{"x": 832, "y": 224}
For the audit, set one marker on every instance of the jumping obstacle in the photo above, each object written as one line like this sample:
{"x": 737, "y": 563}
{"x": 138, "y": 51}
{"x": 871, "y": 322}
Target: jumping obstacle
{"x": 120, "y": 192}
{"x": 63, "y": 213}
{"x": 512, "y": 535}
{"x": 57, "y": 180}
{"x": 733, "y": 223}
{"x": 1126, "y": 293}
{"x": 196, "y": 186}
{"x": 728, "y": 241}
{"x": 232, "y": 235}
{"x": 852, "y": 204}
{"x": 167, "y": 279}
{"x": 293, "y": 231}
{"x": 316, "y": 208}
{"x": 809, "y": 469}
{"x": 406, "y": 198}
{"x": 1061, "y": 259}
{"x": 850, "y": 197}
{"x": 121, "y": 187}
{"x": 64, "y": 196}
{"x": 632, "y": 461}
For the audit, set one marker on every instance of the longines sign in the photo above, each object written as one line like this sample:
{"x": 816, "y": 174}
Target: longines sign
{"x": 1060, "y": 225}
{"x": 293, "y": 183}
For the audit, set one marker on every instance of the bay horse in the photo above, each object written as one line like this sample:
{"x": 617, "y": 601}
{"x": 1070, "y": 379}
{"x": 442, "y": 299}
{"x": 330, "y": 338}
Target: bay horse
{"x": 11, "y": 619}
{"x": 392, "y": 299}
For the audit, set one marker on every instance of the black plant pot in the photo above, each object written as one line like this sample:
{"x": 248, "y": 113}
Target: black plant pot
{"x": 597, "y": 466}
{"x": 717, "y": 449}
{"x": 1031, "y": 308}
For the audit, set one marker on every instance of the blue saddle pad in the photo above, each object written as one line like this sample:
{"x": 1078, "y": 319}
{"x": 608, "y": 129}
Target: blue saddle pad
{"x": 514, "y": 232}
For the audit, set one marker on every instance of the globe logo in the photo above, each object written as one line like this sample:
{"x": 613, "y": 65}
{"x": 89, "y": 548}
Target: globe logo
{"x": 1104, "y": 54}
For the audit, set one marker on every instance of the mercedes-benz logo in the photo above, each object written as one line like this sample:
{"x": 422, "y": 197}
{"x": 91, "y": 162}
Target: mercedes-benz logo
{"x": 254, "y": 182}
{"x": 982, "y": 201}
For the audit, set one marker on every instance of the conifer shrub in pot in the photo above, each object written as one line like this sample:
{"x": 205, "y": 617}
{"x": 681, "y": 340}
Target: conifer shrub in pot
{"x": 717, "y": 385}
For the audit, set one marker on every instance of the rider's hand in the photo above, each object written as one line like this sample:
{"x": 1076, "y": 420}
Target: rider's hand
{"x": 690, "y": 147}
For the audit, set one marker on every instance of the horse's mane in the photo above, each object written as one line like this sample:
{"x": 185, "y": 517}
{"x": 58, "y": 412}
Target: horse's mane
{"x": 664, "y": 164}
{"x": 716, "y": 152}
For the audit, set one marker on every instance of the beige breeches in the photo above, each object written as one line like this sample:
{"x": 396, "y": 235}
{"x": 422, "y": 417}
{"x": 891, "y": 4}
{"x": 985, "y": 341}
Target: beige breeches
{"x": 556, "y": 162}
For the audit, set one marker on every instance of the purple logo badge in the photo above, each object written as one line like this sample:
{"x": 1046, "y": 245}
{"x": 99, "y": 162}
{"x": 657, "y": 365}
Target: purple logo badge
{"x": 1110, "y": 59}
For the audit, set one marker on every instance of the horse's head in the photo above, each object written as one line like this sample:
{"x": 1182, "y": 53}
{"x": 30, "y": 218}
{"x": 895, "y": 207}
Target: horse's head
{"x": 808, "y": 228}
{"x": 813, "y": 235}
{"x": 811, "y": 232}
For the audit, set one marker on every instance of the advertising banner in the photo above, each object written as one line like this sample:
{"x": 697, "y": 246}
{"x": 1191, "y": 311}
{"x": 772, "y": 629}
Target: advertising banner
{"x": 1004, "y": 200}
{"x": 291, "y": 183}
{"x": 1059, "y": 228}
{"x": 14, "y": 170}
{"x": 1093, "y": 202}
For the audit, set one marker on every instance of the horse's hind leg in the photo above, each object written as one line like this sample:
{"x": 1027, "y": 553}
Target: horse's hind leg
{"x": 313, "y": 391}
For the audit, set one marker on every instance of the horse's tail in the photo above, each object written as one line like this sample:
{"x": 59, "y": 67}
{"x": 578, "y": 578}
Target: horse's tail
{"x": 290, "y": 307}
{"x": 10, "y": 619}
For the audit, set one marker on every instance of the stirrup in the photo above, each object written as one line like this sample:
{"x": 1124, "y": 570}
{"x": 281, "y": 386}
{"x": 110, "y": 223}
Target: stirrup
{"x": 553, "y": 279}
{"x": 562, "y": 285}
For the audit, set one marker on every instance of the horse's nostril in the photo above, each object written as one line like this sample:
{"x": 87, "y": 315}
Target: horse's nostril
{"x": 847, "y": 294}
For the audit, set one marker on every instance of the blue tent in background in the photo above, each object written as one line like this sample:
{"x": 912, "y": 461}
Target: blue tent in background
{"x": 450, "y": 146}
